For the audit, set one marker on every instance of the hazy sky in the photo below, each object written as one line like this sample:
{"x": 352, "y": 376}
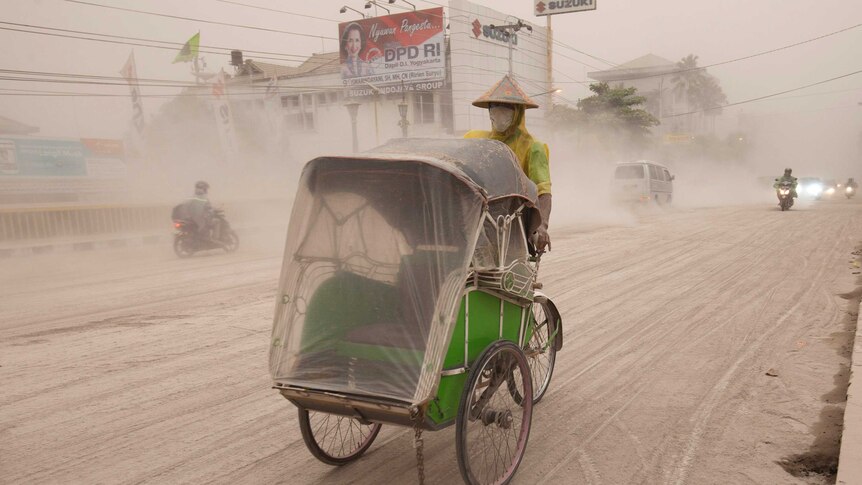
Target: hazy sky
{"x": 617, "y": 31}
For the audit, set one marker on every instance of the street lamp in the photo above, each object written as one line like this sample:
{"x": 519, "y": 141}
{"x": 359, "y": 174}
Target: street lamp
{"x": 553, "y": 91}
{"x": 402, "y": 110}
{"x": 368, "y": 5}
{"x": 346, "y": 8}
{"x": 353, "y": 109}
{"x": 405, "y": 1}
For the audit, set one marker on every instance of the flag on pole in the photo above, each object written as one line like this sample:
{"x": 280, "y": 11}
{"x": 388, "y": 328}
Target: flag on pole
{"x": 224, "y": 119}
{"x": 190, "y": 50}
{"x": 130, "y": 74}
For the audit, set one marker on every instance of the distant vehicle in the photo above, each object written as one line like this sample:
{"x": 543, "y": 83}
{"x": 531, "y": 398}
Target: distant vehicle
{"x": 643, "y": 181}
{"x": 830, "y": 187}
{"x": 810, "y": 188}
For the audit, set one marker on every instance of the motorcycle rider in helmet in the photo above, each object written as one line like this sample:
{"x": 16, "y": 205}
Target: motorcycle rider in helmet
{"x": 507, "y": 104}
{"x": 200, "y": 211}
{"x": 789, "y": 179}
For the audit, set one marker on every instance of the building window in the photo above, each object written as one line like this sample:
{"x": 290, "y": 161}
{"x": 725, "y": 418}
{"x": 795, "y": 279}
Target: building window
{"x": 299, "y": 111}
{"x": 423, "y": 108}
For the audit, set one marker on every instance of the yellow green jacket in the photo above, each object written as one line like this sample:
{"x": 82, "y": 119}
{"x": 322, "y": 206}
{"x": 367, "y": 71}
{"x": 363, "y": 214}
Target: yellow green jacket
{"x": 533, "y": 155}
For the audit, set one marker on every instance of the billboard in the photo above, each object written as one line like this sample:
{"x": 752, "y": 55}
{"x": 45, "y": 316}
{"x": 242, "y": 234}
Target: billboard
{"x": 394, "y": 52}
{"x": 56, "y": 157}
{"x": 552, "y": 7}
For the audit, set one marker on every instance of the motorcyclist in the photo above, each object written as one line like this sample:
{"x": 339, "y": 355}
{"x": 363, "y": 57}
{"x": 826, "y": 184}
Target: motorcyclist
{"x": 787, "y": 178}
{"x": 200, "y": 210}
{"x": 852, "y": 183}
{"x": 507, "y": 104}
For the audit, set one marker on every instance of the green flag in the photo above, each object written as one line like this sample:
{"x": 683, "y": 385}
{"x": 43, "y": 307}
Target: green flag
{"x": 190, "y": 50}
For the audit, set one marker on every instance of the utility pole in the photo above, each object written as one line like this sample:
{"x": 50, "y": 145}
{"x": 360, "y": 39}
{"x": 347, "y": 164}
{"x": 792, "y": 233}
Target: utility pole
{"x": 550, "y": 35}
{"x": 510, "y": 30}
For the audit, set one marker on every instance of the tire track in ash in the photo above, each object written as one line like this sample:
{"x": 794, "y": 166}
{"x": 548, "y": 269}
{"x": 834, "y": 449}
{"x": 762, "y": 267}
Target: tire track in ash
{"x": 727, "y": 281}
{"x": 705, "y": 410}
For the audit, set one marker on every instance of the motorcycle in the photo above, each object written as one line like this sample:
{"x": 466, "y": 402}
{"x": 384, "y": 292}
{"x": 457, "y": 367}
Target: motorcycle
{"x": 849, "y": 192}
{"x": 188, "y": 241}
{"x": 785, "y": 196}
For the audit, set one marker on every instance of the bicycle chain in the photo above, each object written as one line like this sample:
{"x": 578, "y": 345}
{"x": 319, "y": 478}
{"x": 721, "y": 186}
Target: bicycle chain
{"x": 418, "y": 443}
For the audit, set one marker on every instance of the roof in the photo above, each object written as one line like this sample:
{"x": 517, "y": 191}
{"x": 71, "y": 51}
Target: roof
{"x": 9, "y": 126}
{"x": 325, "y": 63}
{"x": 488, "y": 166}
{"x": 644, "y": 65}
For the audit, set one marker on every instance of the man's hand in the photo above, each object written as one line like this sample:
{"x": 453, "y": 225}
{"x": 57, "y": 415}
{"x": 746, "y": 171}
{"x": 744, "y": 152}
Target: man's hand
{"x": 542, "y": 239}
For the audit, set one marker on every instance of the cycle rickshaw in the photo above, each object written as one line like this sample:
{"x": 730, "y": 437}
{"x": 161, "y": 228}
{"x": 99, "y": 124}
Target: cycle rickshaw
{"x": 408, "y": 296}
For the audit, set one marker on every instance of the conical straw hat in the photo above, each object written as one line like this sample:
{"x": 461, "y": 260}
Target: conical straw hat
{"x": 505, "y": 91}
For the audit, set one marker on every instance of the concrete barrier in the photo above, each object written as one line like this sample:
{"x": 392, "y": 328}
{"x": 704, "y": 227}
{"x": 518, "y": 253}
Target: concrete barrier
{"x": 850, "y": 457}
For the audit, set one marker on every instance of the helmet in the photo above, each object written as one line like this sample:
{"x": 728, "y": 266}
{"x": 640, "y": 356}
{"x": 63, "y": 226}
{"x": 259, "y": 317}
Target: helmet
{"x": 201, "y": 185}
{"x": 506, "y": 91}
{"x": 788, "y": 171}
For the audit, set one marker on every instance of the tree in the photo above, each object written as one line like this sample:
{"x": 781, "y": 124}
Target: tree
{"x": 702, "y": 91}
{"x": 612, "y": 116}
{"x": 617, "y": 109}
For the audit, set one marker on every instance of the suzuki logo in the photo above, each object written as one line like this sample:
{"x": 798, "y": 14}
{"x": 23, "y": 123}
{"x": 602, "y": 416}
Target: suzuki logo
{"x": 540, "y": 7}
{"x": 477, "y": 28}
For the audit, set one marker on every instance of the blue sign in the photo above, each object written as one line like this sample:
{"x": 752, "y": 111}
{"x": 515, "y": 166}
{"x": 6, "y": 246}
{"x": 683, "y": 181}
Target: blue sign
{"x": 42, "y": 158}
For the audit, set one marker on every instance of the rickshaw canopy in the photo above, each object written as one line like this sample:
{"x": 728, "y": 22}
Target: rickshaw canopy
{"x": 377, "y": 254}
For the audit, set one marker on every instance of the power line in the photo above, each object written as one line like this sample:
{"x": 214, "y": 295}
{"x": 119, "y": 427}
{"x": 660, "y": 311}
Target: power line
{"x": 763, "y": 53}
{"x": 214, "y": 22}
{"x": 275, "y": 10}
{"x": 134, "y": 44}
{"x": 170, "y": 43}
{"x": 764, "y": 97}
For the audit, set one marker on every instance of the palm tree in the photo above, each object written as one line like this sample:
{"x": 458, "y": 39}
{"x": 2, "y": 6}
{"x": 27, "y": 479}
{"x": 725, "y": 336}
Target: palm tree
{"x": 699, "y": 89}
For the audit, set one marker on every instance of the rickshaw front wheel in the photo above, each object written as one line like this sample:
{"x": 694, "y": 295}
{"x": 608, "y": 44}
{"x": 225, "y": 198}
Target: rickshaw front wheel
{"x": 540, "y": 349}
{"x": 493, "y": 423}
{"x": 334, "y": 439}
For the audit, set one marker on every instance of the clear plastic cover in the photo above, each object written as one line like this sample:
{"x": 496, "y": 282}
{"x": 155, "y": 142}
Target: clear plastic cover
{"x": 374, "y": 268}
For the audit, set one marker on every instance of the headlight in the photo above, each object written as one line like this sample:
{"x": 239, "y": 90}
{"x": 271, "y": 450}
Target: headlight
{"x": 814, "y": 189}
{"x": 830, "y": 190}
{"x": 848, "y": 189}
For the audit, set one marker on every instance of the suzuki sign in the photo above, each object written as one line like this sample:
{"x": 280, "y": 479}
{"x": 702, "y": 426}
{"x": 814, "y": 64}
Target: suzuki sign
{"x": 553, "y": 7}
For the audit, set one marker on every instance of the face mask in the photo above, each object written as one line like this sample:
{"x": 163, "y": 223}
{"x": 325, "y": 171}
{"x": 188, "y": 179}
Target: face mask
{"x": 501, "y": 117}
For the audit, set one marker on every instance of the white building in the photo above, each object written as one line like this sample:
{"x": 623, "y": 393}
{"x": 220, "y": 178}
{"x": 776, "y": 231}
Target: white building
{"x": 313, "y": 118}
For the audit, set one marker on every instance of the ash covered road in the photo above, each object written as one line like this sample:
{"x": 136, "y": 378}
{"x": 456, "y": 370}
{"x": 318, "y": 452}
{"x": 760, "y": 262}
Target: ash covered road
{"x": 132, "y": 366}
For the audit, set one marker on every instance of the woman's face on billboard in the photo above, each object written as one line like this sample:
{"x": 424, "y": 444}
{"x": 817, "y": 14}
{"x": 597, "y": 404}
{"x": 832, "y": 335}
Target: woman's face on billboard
{"x": 354, "y": 42}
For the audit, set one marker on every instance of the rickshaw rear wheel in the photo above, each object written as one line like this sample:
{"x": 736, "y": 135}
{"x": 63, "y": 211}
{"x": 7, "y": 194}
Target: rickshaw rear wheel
{"x": 334, "y": 439}
{"x": 540, "y": 349}
{"x": 493, "y": 424}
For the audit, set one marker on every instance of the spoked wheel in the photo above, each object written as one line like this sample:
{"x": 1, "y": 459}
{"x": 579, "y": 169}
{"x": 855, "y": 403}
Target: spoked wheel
{"x": 540, "y": 351}
{"x": 333, "y": 439}
{"x": 183, "y": 246}
{"x": 493, "y": 423}
{"x": 231, "y": 242}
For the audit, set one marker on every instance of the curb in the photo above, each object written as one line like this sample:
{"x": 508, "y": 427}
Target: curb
{"x": 34, "y": 248}
{"x": 850, "y": 456}
{"x": 48, "y": 247}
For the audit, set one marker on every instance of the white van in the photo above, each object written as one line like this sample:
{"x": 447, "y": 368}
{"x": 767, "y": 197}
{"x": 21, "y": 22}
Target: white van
{"x": 643, "y": 181}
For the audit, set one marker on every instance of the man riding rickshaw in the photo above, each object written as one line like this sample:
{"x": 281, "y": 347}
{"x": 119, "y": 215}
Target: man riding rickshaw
{"x": 507, "y": 104}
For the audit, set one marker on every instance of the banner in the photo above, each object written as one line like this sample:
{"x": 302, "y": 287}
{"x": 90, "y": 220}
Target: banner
{"x": 397, "y": 52}
{"x": 130, "y": 74}
{"x": 224, "y": 119}
{"x": 274, "y": 117}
